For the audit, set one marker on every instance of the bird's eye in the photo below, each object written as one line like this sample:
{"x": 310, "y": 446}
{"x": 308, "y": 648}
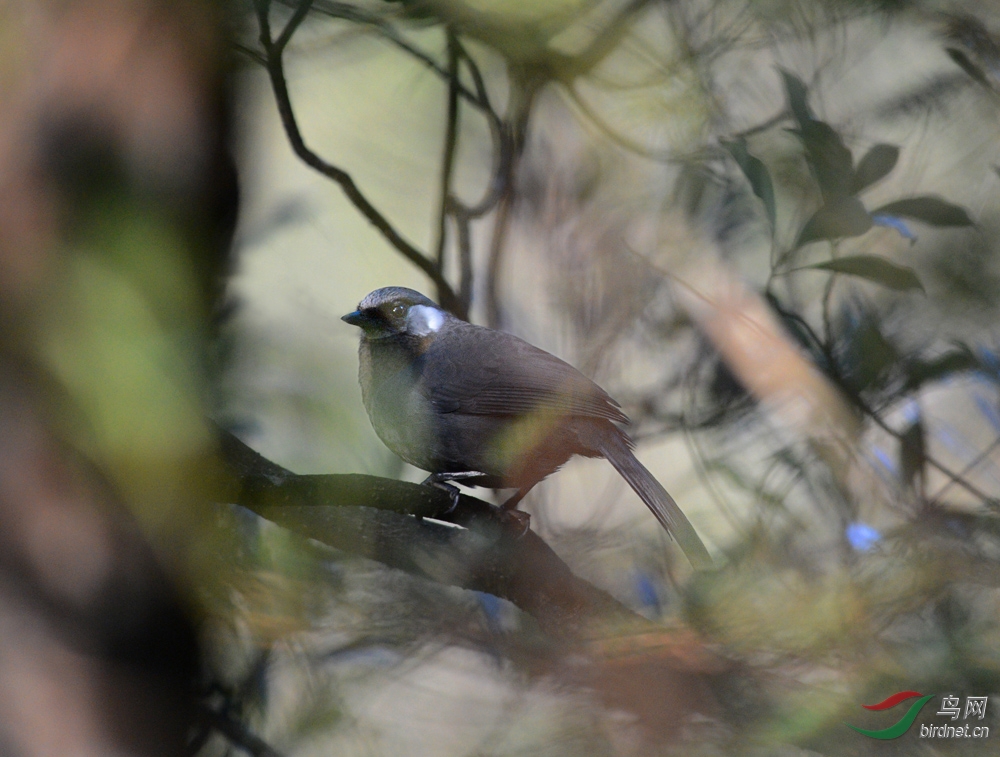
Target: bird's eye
{"x": 398, "y": 310}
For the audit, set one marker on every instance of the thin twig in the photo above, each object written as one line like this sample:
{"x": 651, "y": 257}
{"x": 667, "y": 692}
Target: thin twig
{"x": 477, "y": 78}
{"x": 238, "y": 734}
{"x": 450, "y": 143}
{"x": 774, "y": 120}
{"x": 807, "y": 329}
{"x": 275, "y": 66}
{"x": 357, "y": 15}
{"x": 464, "y": 258}
{"x": 966, "y": 470}
{"x": 523, "y": 88}
{"x": 500, "y": 222}
{"x": 502, "y": 146}
{"x": 502, "y": 153}
{"x": 956, "y": 478}
{"x": 298, "y": 16}
{"x": 252, "y": 54}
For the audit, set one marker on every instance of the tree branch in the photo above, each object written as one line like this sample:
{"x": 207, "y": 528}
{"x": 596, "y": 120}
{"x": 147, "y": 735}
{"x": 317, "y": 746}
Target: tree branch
{"x": 524, "y": 86}
{"x": 357, "y": 15}
{"x": 965, "y": 471}
{"x": 273, "y": 50}
{"x": 956, "y": 478}
{"x": 500, "y": 131}
{"x": 450, "y": 143}
{"x": 236, "y": 733}
{"x": 464, "y": 257}
{"x": 477, "y": 79}
{"x": 371, "y": 516}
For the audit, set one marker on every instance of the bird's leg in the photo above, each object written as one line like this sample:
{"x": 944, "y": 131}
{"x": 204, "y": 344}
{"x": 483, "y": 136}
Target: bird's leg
{"x": 513, "y": 500}
{"x": 510, "y": 514}
{"x": 440, "y": 481}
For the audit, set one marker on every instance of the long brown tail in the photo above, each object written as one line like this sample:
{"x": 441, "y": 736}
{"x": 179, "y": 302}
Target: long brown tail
{"x": 616, "y": 449}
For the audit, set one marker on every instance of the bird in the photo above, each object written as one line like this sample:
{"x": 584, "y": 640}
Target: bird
{"x": 481, "y": 406}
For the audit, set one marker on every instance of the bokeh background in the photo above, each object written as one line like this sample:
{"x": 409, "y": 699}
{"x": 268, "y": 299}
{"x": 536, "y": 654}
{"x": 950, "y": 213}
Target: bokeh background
{"x": 768, "y": 228}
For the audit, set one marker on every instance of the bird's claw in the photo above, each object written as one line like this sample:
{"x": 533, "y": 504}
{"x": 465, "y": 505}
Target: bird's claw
{"x": 452, "y": 492}
{"x": 518, "y": 521}
{"x": 441, "y": 481}
{"x": 444, "y": 477}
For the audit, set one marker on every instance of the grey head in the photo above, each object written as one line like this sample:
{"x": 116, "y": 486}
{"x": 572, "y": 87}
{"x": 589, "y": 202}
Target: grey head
{"x": 393, "y": 311}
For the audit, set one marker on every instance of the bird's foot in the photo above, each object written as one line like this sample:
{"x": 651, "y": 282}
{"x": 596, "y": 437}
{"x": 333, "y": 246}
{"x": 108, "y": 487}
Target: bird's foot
{"x": 441, "y": 481}
{"x": 452, "y": 492}
{"x": 517, "y": 521}
{"x": 513, "y": 501}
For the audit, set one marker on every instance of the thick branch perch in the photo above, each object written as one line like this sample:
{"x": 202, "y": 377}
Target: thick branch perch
{"x": 373, "y": 517}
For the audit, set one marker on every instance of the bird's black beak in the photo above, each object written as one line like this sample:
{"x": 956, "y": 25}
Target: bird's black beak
{"x": 357, "y": 318}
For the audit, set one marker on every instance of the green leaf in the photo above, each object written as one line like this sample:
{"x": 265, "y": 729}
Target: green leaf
{"x": 829, "y": 158}
{"x": 876, "y": 164}
{"x": 757, "y": 174}
{"x": 877, "y": 270}
{"x": 930, "y": 210}
{"x": 866, "y": 358}
{"x": 846, "y": 217}
{"x": 797, "y": 96}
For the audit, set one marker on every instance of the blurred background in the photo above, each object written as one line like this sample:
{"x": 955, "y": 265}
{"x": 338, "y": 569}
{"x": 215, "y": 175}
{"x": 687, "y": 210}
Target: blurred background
{"x": 767, "y": 227}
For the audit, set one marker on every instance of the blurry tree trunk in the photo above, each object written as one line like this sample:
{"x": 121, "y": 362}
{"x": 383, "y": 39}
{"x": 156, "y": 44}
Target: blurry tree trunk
{"x": 116, "y": 204}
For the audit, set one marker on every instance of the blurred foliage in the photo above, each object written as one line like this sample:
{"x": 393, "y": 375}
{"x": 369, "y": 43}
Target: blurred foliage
{"x": 629, "y": 145}
{"x": 113, "y": 234}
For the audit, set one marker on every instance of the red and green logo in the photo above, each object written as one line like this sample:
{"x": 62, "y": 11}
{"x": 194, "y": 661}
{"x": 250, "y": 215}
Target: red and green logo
{"x": 903, "y": 724}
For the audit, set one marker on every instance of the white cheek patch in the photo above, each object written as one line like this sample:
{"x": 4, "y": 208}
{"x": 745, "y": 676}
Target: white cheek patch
{"x": 423, "y": 320}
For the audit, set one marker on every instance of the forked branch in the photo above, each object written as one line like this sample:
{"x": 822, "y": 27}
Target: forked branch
{"x": 273, "y": 53}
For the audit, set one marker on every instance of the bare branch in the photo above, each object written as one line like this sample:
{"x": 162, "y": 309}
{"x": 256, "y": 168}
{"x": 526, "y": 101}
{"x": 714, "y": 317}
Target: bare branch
{"x": 275, "y": 67}
{"x": 493, "y": 314}
{"x": 252, "y": 54}
{"x": 464, "y": 258}
{"x": 237, "y": 733}
{"x": 965, "y": 471}
{"x": 450, "y": 143}
{"x": 956, "y": 478}
{"x": 357, "y": 15}
{"x": 774, "y": 120}
{"x": 371, "y": 516}
{"x": 523, "y": 89}
{"x": 502, "y": 149}
{"x": 477, "y": 77}
{"x": 293, "y": 23}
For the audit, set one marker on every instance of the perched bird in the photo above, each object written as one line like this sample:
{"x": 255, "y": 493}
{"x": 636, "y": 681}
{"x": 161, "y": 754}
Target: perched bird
{"x": 471, "y": 404}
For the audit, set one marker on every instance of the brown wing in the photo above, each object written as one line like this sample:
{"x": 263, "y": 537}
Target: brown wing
{"x": 478, "y": 371}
